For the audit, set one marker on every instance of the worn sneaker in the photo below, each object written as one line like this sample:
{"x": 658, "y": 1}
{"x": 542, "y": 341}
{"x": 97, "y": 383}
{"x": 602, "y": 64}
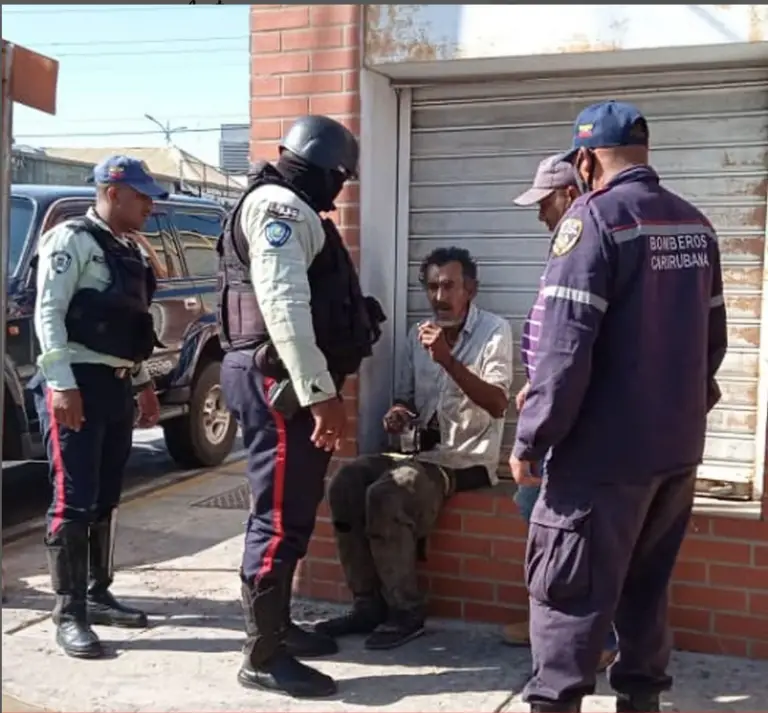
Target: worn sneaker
{"x": 399, "y": 629}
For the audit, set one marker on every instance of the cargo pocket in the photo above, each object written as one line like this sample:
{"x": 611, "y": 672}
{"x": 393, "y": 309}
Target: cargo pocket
{"x": 558, "y": 557}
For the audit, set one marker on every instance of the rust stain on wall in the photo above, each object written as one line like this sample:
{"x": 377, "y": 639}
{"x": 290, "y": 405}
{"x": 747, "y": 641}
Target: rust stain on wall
{"x": 392, "y": 32}
{"x": 758, "y": 19}
{"x": 402, "y": 33}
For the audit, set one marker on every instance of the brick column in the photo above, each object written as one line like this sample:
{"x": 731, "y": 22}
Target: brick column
{"x": 305, "y": 59}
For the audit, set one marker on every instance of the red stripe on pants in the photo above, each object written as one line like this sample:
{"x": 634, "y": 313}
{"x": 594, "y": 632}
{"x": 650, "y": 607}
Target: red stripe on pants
{"x": 59, "y": 485}
{"x": 278, "y": 489}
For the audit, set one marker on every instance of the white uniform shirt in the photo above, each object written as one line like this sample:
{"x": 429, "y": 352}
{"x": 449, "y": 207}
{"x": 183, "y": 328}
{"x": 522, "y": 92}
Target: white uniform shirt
{"x": 69, "y": 260}
{"x": 469, "y": 435}
{"x": 284, "y": 236}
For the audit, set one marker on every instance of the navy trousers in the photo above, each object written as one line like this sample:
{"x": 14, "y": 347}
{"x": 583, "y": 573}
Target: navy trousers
{"x": 285, "y": 471}
{"x": 86, "y": 467}
{"x": 600, "y": 554}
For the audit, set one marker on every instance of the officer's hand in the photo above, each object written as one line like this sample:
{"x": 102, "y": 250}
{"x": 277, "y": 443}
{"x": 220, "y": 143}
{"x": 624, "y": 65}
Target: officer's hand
{"x": 149, "y": 407}
{"x": 520, "y": 398}
{"x": 330, "y": 423}
{"x": 432, "y": 338}
{"x": 521, "y": 472}
{"x": 397, "y": 419}
{"x": 68, "y": 408}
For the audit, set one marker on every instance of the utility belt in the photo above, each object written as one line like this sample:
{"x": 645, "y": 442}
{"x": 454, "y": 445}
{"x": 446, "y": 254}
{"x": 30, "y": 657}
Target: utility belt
{"x": 104, "y": 323}
{"x": 281, "y": 395}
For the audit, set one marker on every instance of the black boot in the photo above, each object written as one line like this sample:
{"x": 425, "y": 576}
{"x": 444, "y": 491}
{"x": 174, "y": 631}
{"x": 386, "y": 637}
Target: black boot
{"x": 366, "y": 614}
{"x": 645, "y": 703}
{"x": 541, "y": 707}
{"x": 267, "y": 665}
{"x": 67, "y": 553}
{"x": 103, "y": 608}
{"x": 301, "y": 643}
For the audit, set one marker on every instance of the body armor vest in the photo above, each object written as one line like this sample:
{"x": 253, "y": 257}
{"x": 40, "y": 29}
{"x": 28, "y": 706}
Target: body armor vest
{"x": 116, "y": 321}
{"x": 346, "y": 324}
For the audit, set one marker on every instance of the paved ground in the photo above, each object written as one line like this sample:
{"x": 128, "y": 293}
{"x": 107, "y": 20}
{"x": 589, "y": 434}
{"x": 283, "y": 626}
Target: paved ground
{"x": 27, "y": 494}
{"x": 179, "y": 560}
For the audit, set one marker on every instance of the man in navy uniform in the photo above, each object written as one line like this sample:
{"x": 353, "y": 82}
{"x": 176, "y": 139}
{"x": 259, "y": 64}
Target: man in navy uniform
{"x": 555, "y": 187}
{"x": 94, "y": 329}
{"x": 633, "y": 332}
{"x": 293, "y": 324}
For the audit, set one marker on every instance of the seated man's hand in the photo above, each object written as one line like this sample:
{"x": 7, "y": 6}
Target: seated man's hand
{"x": 397, "y": 419}
{"x": 520, "y": 398}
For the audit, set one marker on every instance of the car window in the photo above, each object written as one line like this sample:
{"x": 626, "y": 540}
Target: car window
{"x": 198, "y": 232}
{"x": 157, "y": 244}
{"x": 22, "y": 213}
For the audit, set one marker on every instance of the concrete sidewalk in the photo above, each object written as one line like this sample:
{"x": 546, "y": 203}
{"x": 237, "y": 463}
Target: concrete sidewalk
{"x": 178, "y": 561}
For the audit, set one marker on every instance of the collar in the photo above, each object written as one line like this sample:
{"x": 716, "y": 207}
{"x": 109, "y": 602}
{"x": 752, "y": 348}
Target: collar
{"x": 470, "y": 322}
{"x": 96, "y": 218}
{"x": 632, "y": 174}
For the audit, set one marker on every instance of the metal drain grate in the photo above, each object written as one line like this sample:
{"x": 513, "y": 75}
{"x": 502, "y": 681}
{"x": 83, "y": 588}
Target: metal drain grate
{"x": 238, "y": 498}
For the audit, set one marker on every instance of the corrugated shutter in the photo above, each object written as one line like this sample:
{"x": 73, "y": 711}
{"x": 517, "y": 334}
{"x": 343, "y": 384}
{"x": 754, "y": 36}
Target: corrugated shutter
{"x": 476, "y": 146}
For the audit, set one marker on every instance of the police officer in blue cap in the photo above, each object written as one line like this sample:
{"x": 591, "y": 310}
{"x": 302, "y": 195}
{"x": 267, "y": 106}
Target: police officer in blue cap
{"x": 293, "y": 323}
{"x": 93, "y": 325}
{"x": 633, "y": 331}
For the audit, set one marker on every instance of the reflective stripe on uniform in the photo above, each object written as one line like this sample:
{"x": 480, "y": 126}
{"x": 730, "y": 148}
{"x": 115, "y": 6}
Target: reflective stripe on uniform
{"x": 718, "y": 301}
{"x": 574, "y": 295}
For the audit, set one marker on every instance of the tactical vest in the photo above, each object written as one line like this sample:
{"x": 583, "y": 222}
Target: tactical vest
{"x": 346, "y": 324}
{"x": 116, "y": 321}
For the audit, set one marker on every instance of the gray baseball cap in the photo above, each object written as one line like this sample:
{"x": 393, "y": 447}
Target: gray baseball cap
{"x": 552, "y": 173}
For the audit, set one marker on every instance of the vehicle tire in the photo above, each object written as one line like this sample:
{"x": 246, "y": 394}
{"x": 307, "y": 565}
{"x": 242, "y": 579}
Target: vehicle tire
{"x": 204, "y": 436}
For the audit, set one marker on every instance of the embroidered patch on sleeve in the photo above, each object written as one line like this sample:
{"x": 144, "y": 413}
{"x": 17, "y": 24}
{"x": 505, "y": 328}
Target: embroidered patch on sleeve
{"x": 60, "y": 261}
{"x": 568, "y": 235}
{"x": 277, "y": 233}
{"x": 280, "y": 210}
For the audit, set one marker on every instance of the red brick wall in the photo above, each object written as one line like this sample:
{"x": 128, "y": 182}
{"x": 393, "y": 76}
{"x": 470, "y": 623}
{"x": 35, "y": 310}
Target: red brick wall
{"x": 474, "y": 571}
{"x": 305, "y": 59}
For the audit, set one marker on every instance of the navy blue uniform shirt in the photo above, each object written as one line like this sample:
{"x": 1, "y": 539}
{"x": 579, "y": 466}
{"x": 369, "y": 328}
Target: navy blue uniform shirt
{"x": 632, "y": 333}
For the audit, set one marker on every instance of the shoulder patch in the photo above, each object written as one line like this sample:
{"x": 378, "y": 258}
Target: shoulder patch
{"x": 60, "y": 261}
{"x": 281, "y": 210}
{"x": 277, "y": 233}
{"x": 568, "y": 235}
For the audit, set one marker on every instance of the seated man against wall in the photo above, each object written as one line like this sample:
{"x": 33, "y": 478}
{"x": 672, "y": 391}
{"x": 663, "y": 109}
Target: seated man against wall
{"x": 451, "y": 398}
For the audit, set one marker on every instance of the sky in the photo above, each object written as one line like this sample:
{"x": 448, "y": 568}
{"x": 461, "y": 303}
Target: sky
{"x": 184, "y": 65}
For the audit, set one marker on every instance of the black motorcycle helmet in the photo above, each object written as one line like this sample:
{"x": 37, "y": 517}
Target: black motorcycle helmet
{"x": 324, "y": 143}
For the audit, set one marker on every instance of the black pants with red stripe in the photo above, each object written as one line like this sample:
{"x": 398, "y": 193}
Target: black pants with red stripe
{"x": 285, "y": 470}
{"x": 86, "y": 466}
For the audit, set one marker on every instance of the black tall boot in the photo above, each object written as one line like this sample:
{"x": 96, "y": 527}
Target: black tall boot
{"x": 645, "y": 703}
{"x": 267, "y": 665}
{"x": 299, "y": 642}
{"x": 103, "y": 608}
{"x": 67, "y": 553}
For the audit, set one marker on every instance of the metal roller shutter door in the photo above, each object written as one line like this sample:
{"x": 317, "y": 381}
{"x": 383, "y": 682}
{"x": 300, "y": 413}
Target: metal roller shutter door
{"x": 476, "y": 146}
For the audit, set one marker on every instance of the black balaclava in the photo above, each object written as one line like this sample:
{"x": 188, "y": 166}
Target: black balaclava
{"x": 320, "y": 186}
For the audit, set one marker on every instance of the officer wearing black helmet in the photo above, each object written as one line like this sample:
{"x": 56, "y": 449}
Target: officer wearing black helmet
{"x": 293, "y": 324}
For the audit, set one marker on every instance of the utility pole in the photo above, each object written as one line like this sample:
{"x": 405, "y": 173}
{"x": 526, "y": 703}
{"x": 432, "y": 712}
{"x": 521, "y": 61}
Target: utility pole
{"x": 168, "y": 135}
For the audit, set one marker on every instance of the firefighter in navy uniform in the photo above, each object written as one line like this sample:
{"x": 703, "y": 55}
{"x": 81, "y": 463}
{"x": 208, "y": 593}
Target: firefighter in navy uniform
{"x": 633, "y": 332}
{"x": 93, "y": 325}
{"x": 293, "y": 324}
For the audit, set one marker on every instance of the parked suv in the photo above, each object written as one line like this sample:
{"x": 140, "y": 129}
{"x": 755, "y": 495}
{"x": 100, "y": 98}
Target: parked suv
{"x": 180, "y": 240}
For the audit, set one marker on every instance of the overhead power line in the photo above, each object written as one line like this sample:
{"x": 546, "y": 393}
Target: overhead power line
{"x": 89, "y": 134}
{"x": 100, "y": 10}
{"x": 161, "y": 40}
{"x": 149, "y": 54}
{"x": 235, "y": 118}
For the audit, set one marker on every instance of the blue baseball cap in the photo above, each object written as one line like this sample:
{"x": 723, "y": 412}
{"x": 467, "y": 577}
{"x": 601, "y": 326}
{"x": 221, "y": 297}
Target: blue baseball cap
{"x": 608, "y": 124}
{"x": 128, "y": 172}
